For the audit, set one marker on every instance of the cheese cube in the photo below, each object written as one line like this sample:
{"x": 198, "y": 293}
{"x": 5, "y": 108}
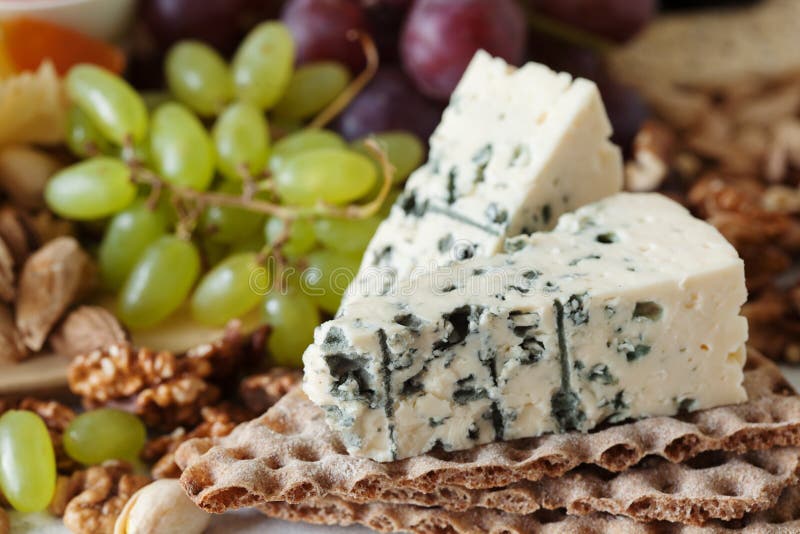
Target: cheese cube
{"x": 516, "y": 148}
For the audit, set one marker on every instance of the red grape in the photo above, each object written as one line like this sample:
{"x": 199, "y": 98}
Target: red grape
{"x": 384, "y": 20}
{"x": 320, "y": 28}
{"x": 215, "y": 22}
{"x": 441, "y": 36}
{"x": 626, "y": 108}
{"x": 564, "y": 56}
{"x": 389, "y": 102}
{"x": 618, "y": 20}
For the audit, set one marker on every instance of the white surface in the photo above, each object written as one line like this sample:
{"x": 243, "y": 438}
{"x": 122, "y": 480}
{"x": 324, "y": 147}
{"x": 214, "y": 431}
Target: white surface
{"x": 103, "y": 19}
{"x": 244, "y": 522}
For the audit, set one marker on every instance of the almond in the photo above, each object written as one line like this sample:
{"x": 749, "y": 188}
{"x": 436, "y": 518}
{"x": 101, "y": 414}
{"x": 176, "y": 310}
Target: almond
{"x": 85, "y": 329}
{"x": 51, "y": 280}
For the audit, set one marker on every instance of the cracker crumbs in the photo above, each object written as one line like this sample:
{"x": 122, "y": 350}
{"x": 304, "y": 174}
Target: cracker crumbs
{"x": 100, "y": 495}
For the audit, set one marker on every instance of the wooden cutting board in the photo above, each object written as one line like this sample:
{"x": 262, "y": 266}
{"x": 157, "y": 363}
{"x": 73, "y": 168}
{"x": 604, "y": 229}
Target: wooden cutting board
{"x": 48, "y": 372}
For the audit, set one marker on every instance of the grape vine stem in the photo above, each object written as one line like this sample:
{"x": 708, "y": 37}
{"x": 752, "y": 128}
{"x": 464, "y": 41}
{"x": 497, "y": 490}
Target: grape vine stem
{"x": 202, "y": 199}
{"x": 359, "y": 82}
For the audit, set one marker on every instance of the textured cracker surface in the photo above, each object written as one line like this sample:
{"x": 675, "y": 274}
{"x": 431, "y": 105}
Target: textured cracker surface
{"x": 289, "y": 454}
{"x": 784, "y": 518}
{"x": 718, "y": 47}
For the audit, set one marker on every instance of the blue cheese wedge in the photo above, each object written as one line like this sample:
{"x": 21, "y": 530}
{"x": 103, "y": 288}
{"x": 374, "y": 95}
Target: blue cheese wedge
{"x": 516, "y": 148}
{"x": 629, "y": 308}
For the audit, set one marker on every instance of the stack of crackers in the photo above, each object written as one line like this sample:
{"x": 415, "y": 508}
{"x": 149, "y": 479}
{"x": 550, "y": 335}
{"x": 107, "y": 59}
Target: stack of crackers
{"x": 727, "y": 468}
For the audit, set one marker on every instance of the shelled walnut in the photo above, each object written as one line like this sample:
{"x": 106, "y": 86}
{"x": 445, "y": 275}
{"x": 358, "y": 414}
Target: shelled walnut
{"x": 218, "y": 421}
{"x": 165, "y": 389}
{"x": 100, "y": 493}
{"x": 260, "y": 392}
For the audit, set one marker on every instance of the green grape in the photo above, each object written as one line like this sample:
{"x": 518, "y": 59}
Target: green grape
{"x": 227, "y": 291}
{"x": 248, "y": 243}
{"x": 293, "y": 317}
{"x": 302, "y": 141}
{"x": 223, "y": 224}
{"x": 346, "y": 235}
{"x": 83, "y": 138}
{"x": 212, "y": 251}
{"x": 159, "y": 282}
{"x": 327, "y": 277}
{"x": 301, "y": 236}
{"x": 180, "y": 148}
{"x": 91, "y": 189}
{"x": 27, "y": 461}
{"x": 109, "y": 101}
{"x": 199, "y": 77}
{"x": 330, "y": 175}
{"x": 262, "y": 66}
{"x": 126, "y": 238}
{"x": 105, "y": 434}
{"x": 241, "y": 137}
{"x": 312, "y": 87}
{"x": 404, "y": 150}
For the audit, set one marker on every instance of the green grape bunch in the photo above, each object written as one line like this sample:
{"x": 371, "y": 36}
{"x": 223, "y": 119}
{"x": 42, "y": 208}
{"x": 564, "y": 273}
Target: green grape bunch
{"x": 198, "y": 196}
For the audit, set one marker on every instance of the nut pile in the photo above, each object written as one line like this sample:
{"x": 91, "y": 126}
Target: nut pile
{"x": 733, "y": 157}
{"x": 99, "y": 498}
{"x": 38, "y": 284}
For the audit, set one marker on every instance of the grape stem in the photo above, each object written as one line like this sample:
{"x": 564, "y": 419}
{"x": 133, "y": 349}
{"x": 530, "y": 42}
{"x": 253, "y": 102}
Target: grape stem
{"x": 201, "y": 199}
{"x": 359, "y": 82}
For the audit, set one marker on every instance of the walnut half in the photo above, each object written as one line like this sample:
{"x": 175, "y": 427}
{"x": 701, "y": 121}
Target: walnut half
{"x": 260, "y": 392}
{"x": 101, "y": 494}
{"x": 165, "y": 389}
{"x": 218, "y": 421}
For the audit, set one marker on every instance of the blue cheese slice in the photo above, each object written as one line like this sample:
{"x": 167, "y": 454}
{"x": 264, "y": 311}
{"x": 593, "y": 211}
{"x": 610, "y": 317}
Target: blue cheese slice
{"x": 629, "y": 308}
{"x": 516, "y": 148}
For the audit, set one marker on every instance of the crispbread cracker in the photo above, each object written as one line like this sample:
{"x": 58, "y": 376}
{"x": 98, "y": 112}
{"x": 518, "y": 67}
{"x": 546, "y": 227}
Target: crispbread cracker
{"x": 715, "y": 48}
{"x": 714, "y": 485}
{"x": 290, "y": 454}
{"x": 784, "y": 518}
